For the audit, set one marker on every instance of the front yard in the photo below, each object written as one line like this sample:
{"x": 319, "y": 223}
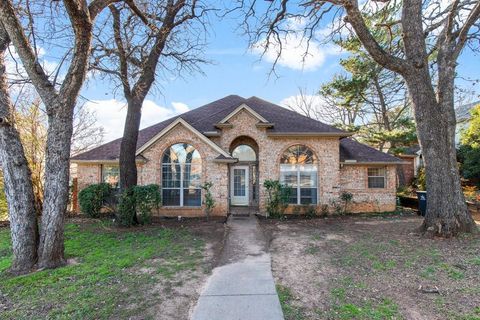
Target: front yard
{"x": 151, "y": 272}
{"x": 372, "y": 268}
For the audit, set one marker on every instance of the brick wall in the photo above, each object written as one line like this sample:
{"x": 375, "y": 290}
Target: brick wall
{"x": 271, "y": 150}
{"x": 354, "y": 179}
{"x": 406, "y": 172}
{"x": 217, "y": 173}
{"x": 331, "y": 179}
{"x": 88, "y": 174}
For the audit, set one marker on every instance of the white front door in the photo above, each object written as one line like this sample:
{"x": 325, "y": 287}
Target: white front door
{"x": 239, "y": 186}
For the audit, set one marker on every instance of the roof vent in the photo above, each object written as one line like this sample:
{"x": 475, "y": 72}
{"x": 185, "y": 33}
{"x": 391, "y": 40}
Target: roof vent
{"x": 350, "y": 161}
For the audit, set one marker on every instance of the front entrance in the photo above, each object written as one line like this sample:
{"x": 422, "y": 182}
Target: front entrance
{"x": 239, "y": 186}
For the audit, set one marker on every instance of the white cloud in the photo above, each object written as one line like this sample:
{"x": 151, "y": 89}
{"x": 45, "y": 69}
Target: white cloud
{"x": 111, "y": 114}
{"x": 295, "y": 51}
{"x": 180, "y": 107}
{"x": 16, "y": 73}
{"x": 297, "y": 102}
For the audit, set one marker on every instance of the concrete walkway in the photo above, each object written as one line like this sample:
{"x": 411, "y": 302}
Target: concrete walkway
{"x": 242, "y": 287}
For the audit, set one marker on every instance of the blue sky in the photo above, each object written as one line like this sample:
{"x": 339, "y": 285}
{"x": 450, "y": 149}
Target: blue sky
{"x": 235, "y": 70}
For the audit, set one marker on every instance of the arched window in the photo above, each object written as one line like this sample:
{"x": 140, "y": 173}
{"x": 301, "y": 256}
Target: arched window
{"x": 181, "y": 176}
{"x": 298, "y": 170}
{"x": 244, "y": 153}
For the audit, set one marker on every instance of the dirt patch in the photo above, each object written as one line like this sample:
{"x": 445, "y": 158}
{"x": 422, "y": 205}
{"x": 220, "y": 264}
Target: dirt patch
{"x": 178, "y": 285}
{"x": 373, "y": 268}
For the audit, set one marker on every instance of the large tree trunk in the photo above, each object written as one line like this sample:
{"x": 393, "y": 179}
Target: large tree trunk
{"x": 51, "y": 250}
{"x": 18, "y": 184}
{"x": 20, "y": 199}
{"x": 447, "y": 212}
{"x": 128, "y": 147}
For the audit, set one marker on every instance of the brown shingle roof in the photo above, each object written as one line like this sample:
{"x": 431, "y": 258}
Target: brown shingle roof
{"x": 204, "y": 118}
{"x": 353, "y": 150}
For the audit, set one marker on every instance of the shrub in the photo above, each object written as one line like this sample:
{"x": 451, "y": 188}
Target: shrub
{"x": 324, "y": 210}
{"x": 147, "y": 198}
{"x": 209, "y": 202}
{"x": 421, "y": 180}
{"x": 340, "y": 207}
{"x": 138, "y": 201}
{"x": 346, "y": 197}
{"x": 93, "y": 198}
{"x": 277, "y": 198}
{"x": 126, "y": 208}
{"x": 311, "y": 211}
{"x": 470, "y": 192}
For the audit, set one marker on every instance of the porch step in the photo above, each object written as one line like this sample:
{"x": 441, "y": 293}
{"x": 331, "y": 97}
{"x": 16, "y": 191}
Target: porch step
{"x": 243, "y": 211}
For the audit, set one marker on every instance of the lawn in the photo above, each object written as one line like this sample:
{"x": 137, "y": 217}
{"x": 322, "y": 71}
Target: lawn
{"x": 151, "y": 272}
{"x": 373, "y": 268}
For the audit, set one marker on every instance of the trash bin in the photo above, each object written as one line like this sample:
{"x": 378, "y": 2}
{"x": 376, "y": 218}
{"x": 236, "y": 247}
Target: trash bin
{"x": 422, "y": 202}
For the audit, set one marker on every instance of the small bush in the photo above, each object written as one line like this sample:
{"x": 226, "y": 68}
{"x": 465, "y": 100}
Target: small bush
{"x": 421, "y": 180}
{"x": 209, "y": 202}
{"x": 138, "y": 202}
{"x": 324, "y": 210}
{"x": 126, "y": 208}
{"x": 277, "y": 198}
{"x": 470, "y": 192}
{"x": 147, "y": 198}
{"x": 346, "y": 197}
{"x": 311, "y": 211}
{"x": 340, "y": 207}
{"x": 93, "y": 198}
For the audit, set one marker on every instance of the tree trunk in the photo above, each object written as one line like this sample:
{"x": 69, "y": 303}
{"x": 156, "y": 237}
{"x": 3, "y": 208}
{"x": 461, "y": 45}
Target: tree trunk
{"x": 18, "y": 183}
{"x": 447, "y": 213}
{"x": 51, "y": 250}
{"x": 128, "y": 147}
{"x": 19, "y": 193}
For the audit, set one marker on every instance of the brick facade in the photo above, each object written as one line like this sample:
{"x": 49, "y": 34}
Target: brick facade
{"x": 406, "y": 172}
{"x": 354, "y": 179}
{"x": 332, "y": 178}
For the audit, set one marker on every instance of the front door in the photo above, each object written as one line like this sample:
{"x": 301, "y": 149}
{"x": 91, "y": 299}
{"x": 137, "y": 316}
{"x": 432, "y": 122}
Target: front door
{"x": 239, "y": 186}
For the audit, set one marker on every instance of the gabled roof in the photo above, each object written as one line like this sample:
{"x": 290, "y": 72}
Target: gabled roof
{"x": 180, "y": 121}
{"x": 241, "y": 107}
{"x": 202, "y": 120}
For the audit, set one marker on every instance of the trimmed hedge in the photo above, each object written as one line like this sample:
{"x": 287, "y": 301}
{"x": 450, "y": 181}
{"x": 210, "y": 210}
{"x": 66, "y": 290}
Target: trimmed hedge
{"x": 92, "y": 199}
{"x": 140, "y": 201}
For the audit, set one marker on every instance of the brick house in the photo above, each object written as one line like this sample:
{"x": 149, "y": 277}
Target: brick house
{"x": 237, "y": 144}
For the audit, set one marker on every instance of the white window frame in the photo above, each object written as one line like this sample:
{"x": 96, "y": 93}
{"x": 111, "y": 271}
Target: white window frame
{"x": 384, "y": 177}
{"x": 182, "y": 188}
{"x": 299, "y": 187}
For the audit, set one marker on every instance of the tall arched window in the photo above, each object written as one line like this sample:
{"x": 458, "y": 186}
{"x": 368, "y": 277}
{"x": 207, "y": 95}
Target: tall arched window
{"x": 298, "y": 170}
{"x": 181, "y": 176}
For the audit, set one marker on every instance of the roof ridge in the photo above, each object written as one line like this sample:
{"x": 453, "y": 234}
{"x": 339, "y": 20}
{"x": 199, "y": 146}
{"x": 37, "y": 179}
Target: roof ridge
{"x": 209, "y": 116}
{"x": 181, "y": 114}
{"x": 296, "y": 113}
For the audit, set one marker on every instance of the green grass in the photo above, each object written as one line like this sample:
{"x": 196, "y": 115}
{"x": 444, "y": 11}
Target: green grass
{"x": 290, "y": 311}
{"x": 370, "y": 254}
{"x": 385, "y": 309}
{"x": 344, "y": 303}
{"x": 429, "y": 272}
{"x": 342, "y": 306}
{"x": 475, "y": 261}
{"x": 103, "y": 284}
{"x": 312, "y": 249}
